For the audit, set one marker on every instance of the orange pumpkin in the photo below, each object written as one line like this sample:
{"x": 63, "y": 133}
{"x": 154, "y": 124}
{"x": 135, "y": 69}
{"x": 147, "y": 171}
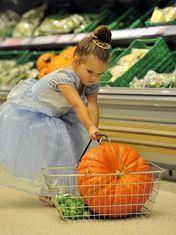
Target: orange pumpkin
{"x": 44, "y": 60}
{"x": 114, "y": 194}
{"x": 42, "y": 73}
{"x": 63, "y": 60}
{"x": 49, "y": 62}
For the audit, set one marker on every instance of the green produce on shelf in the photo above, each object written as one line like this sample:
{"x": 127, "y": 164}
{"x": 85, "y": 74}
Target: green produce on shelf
{"x": 8, "y": 20}
{"x": 158, "y": 58}
{"x": 28, "y": 23}
{"x": 60, "y": 25}
{"x": 155, "y": 80}
{"x": 12, "y": 76}
{"x": 6, "y": 65}
{"x": 88, "y": 19}
{"x": 63, "y": 23}
{"x": 127, "y": 61}
{"x": 49, "y": 25}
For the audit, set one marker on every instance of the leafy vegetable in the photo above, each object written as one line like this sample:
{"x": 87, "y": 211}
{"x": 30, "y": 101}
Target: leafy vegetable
{"x": 71, "y": 207}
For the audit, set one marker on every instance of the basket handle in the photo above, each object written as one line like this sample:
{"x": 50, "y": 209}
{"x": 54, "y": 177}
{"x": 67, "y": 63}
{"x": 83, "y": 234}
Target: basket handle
{"x": 85, "y": 150}
{"x": 114, "y": 150}
{"x": 100, "y": 141}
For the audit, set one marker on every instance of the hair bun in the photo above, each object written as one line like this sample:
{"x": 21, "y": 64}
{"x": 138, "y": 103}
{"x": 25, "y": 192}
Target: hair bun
{"x": 103, "y": 34}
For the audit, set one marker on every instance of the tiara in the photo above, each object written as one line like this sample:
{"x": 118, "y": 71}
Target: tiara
{"x": 100, "y": 44}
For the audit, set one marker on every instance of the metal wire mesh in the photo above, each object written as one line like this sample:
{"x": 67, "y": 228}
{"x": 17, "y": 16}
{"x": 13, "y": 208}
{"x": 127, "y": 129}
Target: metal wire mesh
{"x": 104, "y": 196}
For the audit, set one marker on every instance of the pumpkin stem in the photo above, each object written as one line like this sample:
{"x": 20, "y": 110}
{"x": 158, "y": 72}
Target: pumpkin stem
{"x": 47, "y": 59}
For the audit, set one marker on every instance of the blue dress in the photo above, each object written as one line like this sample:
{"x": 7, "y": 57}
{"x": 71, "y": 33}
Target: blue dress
{"x": 38, "y": 128}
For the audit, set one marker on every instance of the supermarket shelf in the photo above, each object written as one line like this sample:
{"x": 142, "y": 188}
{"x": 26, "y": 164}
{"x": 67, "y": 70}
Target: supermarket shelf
{"x": 144, "y": 121}
{"x": 121, "y": 91}
{"x": 171, "y": 31}
{"x": 151, "y": 105}
{"x": 119, "y": 37}
{"x": 150, "y": 108}
{"x": 130, "y": 34}
{"x": 138, "y": 91}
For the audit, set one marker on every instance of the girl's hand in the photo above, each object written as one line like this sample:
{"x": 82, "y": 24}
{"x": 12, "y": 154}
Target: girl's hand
{"x": 93, "y": 131}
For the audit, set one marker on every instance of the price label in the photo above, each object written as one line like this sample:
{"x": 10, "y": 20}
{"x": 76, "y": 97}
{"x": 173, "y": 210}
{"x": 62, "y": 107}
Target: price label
{"x": 14, "y": 42}
{"x": 10, "y": 42}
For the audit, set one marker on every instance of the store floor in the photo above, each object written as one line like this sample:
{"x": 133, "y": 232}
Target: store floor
{"x": 23, "y": 214}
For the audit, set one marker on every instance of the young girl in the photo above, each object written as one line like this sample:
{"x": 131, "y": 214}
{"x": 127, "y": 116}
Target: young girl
{"x": 45, "y": 123}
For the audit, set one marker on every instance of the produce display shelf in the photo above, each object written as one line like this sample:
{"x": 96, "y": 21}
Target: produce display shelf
{"x": 56, "y": 41}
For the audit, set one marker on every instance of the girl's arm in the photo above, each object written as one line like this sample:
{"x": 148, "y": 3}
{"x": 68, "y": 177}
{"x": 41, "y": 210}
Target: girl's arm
{"x": 72, "y": 96}
{"x": 93, "y": 108}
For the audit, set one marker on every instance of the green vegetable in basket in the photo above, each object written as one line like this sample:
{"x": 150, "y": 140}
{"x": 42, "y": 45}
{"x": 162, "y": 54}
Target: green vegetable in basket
{"x": 60, "y": 199}
{"x": 71, "y": 207}
{"x": 67, "y": 213}
{"x": 69, "y": 203}
{"x": 79, "y": 203}
{"x": 62, "y": 208}
{"x": 86, "y": 213}
{"x": 73, "y": 213}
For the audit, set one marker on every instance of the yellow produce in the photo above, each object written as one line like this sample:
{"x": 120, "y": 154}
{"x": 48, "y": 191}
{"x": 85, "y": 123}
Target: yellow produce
{"x": 118, "y": 71}
{"x": 165, "y": 15}
{"x": 171, "y": 14}
{"x": 157, "y": 16}
{"x": 128, "y": 59}
{"x": 126, "y": 62}
{"x": 139, "y": 53}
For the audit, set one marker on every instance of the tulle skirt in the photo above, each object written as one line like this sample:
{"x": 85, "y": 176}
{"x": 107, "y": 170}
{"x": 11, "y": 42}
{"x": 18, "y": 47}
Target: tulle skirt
{"x": 30, "y": 140}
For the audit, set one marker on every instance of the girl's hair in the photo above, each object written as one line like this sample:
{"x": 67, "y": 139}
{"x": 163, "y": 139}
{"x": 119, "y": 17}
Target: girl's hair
{"x": 96, "y": 44}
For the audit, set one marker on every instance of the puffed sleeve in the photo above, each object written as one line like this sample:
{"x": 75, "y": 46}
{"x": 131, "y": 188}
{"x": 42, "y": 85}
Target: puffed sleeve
{"x": 62, "y": 77}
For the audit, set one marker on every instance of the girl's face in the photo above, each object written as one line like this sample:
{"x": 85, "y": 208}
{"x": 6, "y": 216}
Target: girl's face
{"x": 89, "y": 69}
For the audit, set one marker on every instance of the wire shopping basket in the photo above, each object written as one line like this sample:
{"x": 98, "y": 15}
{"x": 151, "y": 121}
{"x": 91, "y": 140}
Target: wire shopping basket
{"x": 121, "y": 194}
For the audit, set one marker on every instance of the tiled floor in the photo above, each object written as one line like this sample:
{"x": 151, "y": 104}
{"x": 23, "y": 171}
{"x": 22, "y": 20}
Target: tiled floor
{"x": 23, "y": 214}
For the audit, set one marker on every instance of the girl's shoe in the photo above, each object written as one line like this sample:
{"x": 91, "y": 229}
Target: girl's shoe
{"x": 47, "y": 200}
